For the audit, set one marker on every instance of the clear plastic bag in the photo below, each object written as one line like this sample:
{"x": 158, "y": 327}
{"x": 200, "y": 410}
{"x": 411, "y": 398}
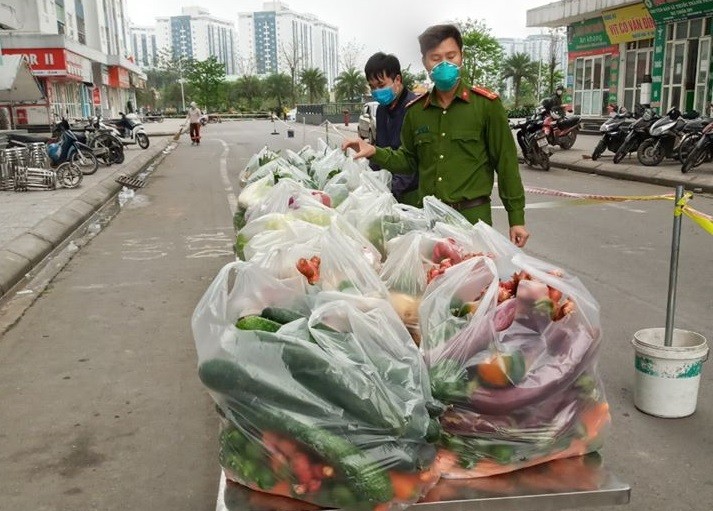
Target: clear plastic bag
{"x": 515, "y": 355}
{"x": 289, "y": 196}
{"x": 323, "y": 399}
{"x": 437, "y": 211}
{"x": 365, "y": 209}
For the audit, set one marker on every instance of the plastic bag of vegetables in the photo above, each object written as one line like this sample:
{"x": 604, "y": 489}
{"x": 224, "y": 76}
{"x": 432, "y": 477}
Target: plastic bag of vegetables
{"x": 323, "y": 399}
{"x": 516, "y": 357}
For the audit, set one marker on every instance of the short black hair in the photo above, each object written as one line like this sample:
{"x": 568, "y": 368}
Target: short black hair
{"x": 382, "y": 64}
{"x": 435, "y": 35}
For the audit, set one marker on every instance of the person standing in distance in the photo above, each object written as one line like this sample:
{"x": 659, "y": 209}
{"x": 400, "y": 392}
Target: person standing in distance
{"x": 383, "y": 73}
{"x": 456, "y": 138}
{"x": 194, "y": 119}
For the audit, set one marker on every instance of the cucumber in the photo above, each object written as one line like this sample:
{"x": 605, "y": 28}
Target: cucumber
{"x": 281, "y": 315}
{"x": 257, "y": 323}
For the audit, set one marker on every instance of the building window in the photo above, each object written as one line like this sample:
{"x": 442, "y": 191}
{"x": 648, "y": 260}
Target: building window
{"x": 59, "y": 11}
{"x": 81, "y": 32}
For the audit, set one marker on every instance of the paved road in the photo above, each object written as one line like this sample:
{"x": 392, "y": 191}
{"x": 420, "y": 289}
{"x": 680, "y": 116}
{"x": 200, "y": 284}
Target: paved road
{"x": 101, "y": 405}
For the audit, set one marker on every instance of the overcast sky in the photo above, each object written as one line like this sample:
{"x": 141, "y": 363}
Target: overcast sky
{"x": 379, "y": 25}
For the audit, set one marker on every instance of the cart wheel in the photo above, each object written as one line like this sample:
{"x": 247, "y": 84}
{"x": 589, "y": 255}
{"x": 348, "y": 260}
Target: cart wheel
{"x": 69, "y": 175}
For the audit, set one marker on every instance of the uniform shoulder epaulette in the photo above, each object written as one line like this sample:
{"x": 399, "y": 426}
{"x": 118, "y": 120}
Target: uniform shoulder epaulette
{"x": 416, "y": 100}
{"x": 485, "y": 92}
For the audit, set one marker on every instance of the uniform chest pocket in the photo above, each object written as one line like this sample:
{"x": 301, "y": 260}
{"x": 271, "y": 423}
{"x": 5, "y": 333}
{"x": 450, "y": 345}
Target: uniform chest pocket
{"x": 465, "y": 136}
{"x": 468, "y": 144}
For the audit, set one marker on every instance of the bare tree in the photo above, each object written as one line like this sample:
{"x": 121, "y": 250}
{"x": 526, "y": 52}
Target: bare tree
{"x": 556, "y": 41}
{"x": 246, "y": 66}
{"x": 294, "y": 61}
{"x": 350, "y": 54}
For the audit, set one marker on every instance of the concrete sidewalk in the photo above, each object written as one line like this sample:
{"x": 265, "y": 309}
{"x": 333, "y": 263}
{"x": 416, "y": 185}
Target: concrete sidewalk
{"x": 668, "y": 173}
{"x": 34, "y": 223}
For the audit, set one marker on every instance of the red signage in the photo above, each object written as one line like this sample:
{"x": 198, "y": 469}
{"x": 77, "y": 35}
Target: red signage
{"x": 21, "y": 115}
{"x": 119, "y": 77}
{"x": 573, "y": 55}
{"x": 54, "y": 62}
{"x": 97, "y": 96}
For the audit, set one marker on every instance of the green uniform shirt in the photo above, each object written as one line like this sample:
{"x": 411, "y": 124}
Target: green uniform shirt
{"x": 457, "y": 151}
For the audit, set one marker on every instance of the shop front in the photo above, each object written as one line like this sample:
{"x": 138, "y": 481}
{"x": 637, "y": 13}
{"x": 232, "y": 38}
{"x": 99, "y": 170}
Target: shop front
{"x": 593, "y": 68}
{"x": 632, "y": 28}
{"x": 64, "y": 77}
{"x": 682, "y": 54}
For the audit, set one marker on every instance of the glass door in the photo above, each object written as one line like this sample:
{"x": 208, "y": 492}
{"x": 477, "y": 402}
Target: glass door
{"x": 638, "y": 64}
{"x": 590, "y": 89}
{"x": 702, "y": 73}
{"x": 674, "y": 68}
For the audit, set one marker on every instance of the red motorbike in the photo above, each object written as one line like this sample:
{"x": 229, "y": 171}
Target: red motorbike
{"x": 560, "y": 129}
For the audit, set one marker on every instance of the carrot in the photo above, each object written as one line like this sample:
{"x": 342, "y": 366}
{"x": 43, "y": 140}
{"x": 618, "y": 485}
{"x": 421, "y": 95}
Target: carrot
{"x": 282, "y": 488}
{"x": 404, "y": 485}
{"x": 277, "y": 462}
{"x": 594, "y": 418}
{"x": 382, "y": 507}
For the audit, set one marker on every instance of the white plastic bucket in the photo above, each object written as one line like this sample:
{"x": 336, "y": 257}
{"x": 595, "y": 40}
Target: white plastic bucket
{"x": 668, "y": 377}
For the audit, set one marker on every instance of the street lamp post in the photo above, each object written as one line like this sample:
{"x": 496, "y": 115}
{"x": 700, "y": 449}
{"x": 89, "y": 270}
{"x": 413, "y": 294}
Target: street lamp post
{"x": 180, "y": 80}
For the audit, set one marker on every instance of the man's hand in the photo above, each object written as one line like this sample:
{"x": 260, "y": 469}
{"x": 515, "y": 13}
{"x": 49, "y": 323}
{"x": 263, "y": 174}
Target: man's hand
{"x": 363, "y": 149}
{"x": 519, "y": 235}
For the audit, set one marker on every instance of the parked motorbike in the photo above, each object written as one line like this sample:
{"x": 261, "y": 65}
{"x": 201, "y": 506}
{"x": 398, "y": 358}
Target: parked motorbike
{"x": 65, "y": 147}
{"x": 560, "y": 129}
{"x": 664, "y": 140}
{"x": 131, "y": 130}
{"x": 692, "y": 132}
{"x": 533, "y": 142}
{"x": 638, "y": 132}
{"x": 614, "y": 132}
{"x": 104, "y": 145}
{"x": 701, "y": 152}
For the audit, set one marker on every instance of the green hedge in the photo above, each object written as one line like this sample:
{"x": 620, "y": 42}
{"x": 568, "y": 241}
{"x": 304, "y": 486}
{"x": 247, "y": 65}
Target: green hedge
{"x": 523, "y": 111}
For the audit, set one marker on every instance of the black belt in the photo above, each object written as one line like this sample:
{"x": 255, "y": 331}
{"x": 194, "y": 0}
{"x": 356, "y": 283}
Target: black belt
{"x": 471, "y": 203}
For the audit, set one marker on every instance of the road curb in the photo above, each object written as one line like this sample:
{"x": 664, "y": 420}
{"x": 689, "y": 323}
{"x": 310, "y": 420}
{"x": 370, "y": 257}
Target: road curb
{"x": 634, "y": 173}
{"x": 20, "y": 255}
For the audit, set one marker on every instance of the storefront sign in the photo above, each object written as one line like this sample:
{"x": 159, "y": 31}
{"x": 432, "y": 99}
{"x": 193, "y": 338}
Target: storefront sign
{"x": 54, "y": 62}
{"x": 96, "y": 96}
{"x": 630, "y": 23}
{"x": 613, "y": 49}
{"x": 672, "y": 10}
{"x": 587, "y": 35}
{"x": 119, "y": 77}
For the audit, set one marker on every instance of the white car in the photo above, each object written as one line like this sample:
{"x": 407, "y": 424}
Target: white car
{"x": 366, "y": 128}
{"x": 292, "y": 115}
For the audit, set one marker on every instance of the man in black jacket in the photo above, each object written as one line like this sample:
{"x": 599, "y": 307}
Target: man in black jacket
{"x": 383, "y": 72}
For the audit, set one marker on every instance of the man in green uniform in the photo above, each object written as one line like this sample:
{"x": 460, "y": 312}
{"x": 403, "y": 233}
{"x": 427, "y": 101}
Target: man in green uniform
{"x": 456, "y": 138}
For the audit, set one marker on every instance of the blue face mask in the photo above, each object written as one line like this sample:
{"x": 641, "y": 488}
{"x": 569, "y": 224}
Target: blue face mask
{"x": 445, "y": 75}
{"x": 385, "y": 96}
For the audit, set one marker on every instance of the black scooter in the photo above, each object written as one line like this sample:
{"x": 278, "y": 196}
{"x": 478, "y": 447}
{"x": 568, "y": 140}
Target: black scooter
{"x": 614, "y": 132}
{"x": 701, "y": 152}
{"x": 638, "y": 132}
{"x": 533, "y": 142}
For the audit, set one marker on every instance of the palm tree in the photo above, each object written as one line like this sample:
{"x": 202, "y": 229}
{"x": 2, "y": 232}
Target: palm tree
{"x": 350, "y": 85}
{"x": 314, "y": 81}
{"x": 518, "y": 66}
{"x": 278, "y": 86}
